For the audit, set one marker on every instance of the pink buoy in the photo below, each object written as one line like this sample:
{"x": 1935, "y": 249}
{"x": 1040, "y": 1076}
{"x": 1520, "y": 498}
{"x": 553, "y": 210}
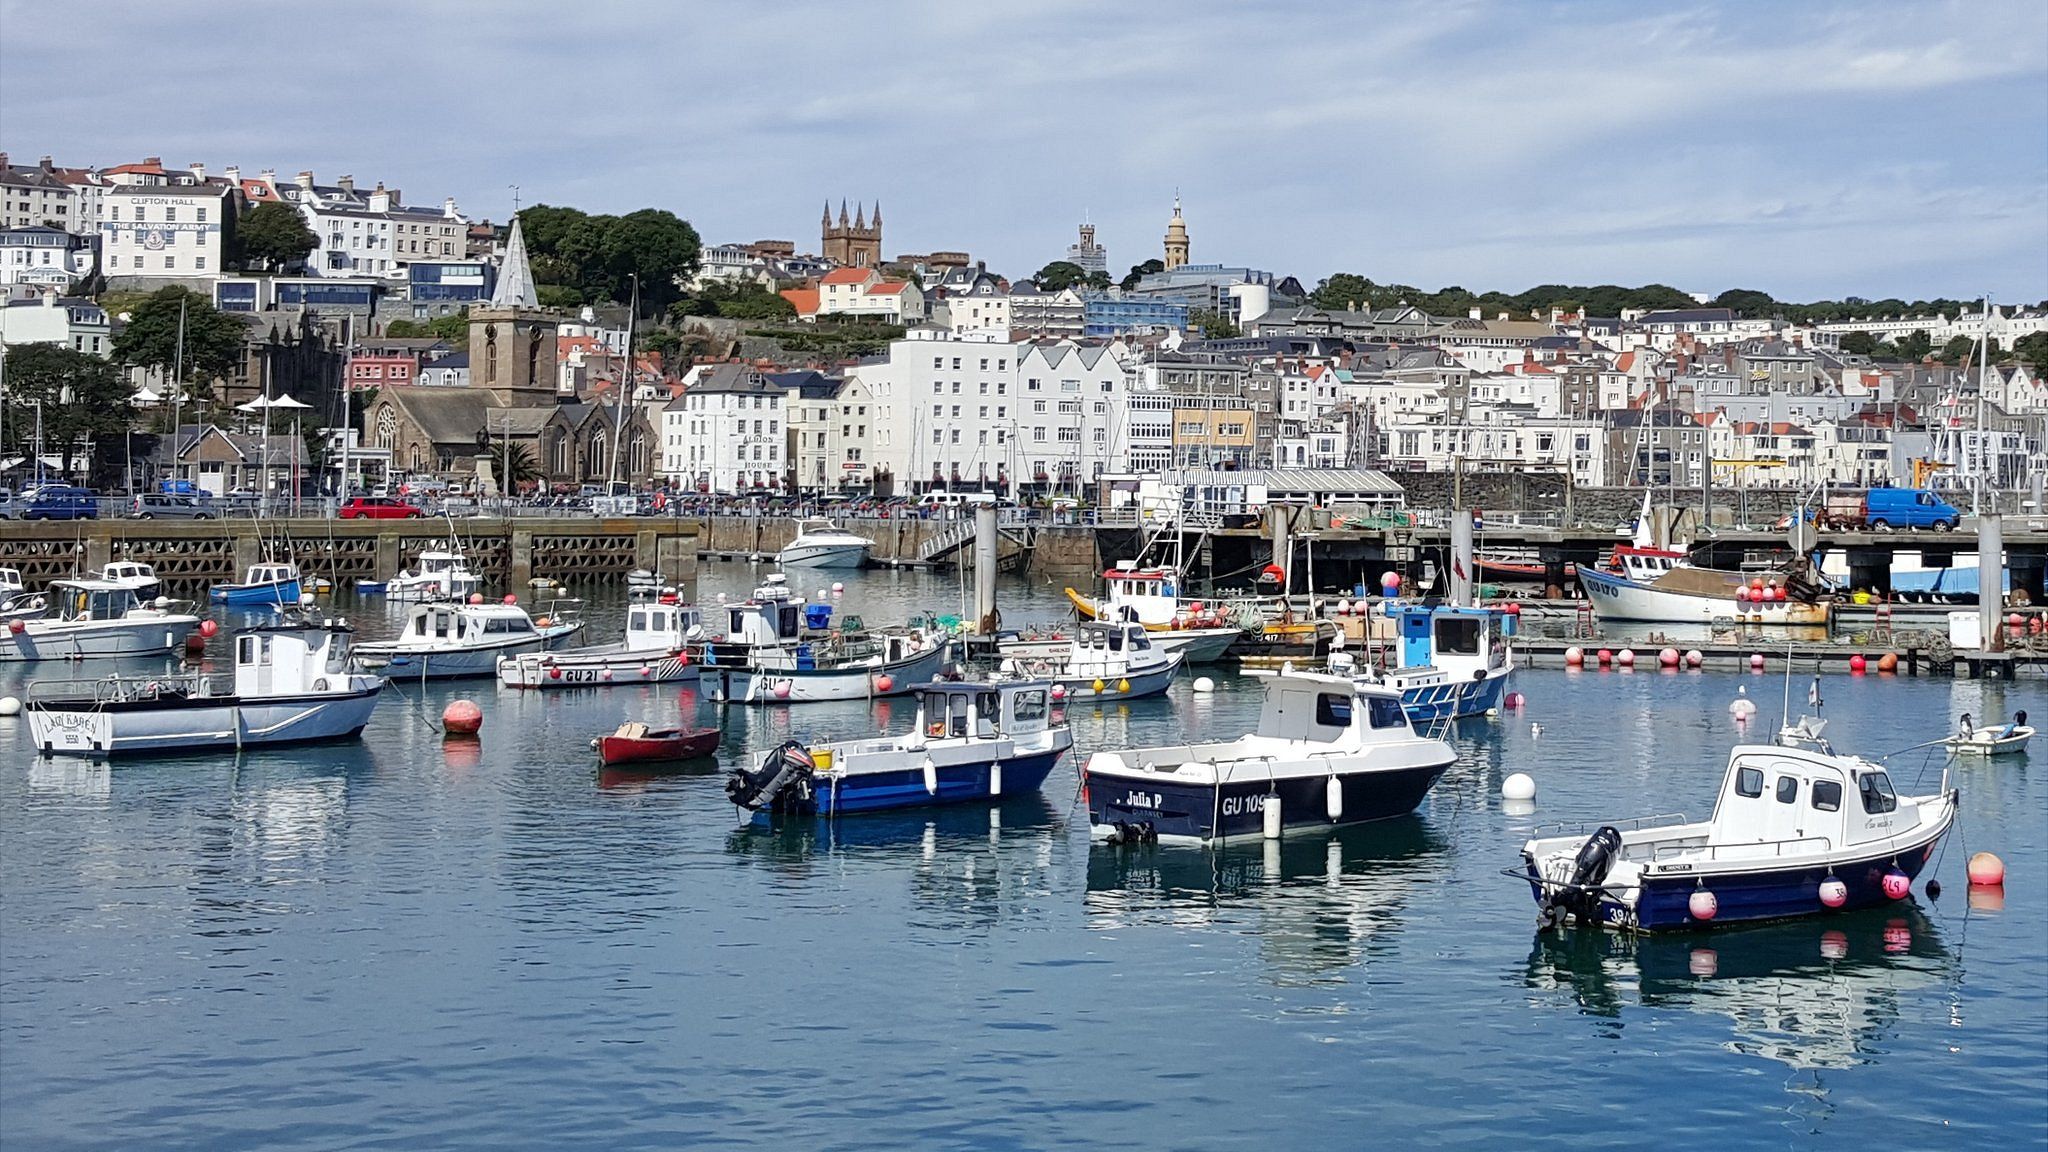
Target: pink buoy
{"x": 1574, "y": 657}
{"x": 1668, "y": 658}
{"x": 1897, "y": 885}
{"x": 1833, "y": 892}
{"x": 607, "y": 673}
{"x": 1986, "y": 869}
{"x": 1626, "y": 658}
{"x": 1756, "y": 661}
{"x": 1694, "y": 659}
{"x": 1059, "y": 692}
{"x": 208, "y": 628}
{"x": 462, "y": 718}
{"x": 1857, "y": 664}
{"x": 1702, "y": 905}
{"x": 511, "y": 599}
{"x": 554, "y": 673}
{"x": 645, "y": 672}
{"x": 18, "y": 626}
{"x": 782, "y": 690}
{"x": 1606, "y": 657}
{"x": 885, "y": 683}
{"x": 476, "y": 597}
{"x": 1513, "y": 609}
{"x": 1756, "y": 583}
{"x": 1742, "y": 595}
{"x": 1513, "y": 701}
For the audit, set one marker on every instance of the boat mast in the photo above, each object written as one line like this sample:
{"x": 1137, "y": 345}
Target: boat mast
{"x": 348, "y": 342}
{"x": 1983, "y": 376}
{"x": 625, "y": 391}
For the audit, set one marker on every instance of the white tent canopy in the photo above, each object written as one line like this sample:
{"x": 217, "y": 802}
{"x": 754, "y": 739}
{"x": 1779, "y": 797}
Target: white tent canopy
{"x": 262, "y": 402}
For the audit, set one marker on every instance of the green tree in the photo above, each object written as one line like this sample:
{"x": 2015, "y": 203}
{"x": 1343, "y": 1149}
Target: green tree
{"x": 213, "y": 339}
{"x": 81, "y": 396}
{"x": 657, "y": 245}
{"x": 1915, "y": 345}
{"x": 1058, "y": 276}
{"x": 745, "y": 300}
{"x": 1963, "y": 350}
{"x": 1211, "y": 325}
{"x": 1140, "y": 271}
{"x": 1746, "y": 302}
{"x": 1342, "y": 291}
{"x": 1860, "y": 344}
{"x": 2033, "y": 349}
{"x": 514, "y": 459}
{"x": 1099, "y": 281}
{"x": 272, "y": 236}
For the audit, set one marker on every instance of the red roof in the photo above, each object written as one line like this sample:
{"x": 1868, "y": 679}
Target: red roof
{"x": 848, "y": 276}
{"x": 888, "y": 288}
{"x": 805, "y": 300}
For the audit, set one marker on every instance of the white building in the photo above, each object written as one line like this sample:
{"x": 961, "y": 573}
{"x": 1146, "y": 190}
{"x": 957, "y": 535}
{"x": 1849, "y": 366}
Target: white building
{"x": 861, "y": 293}
{"x": 373, "y": 233}
{"x": 831, "y": 426}
{"x": 43, "y": 257}
{"x": 728, "y": 434}
{"x": 169, "y": 232}
{"x": 976, "y": 312}
{"x": 76, "y": 323}
{"x": 1050, "y": 314}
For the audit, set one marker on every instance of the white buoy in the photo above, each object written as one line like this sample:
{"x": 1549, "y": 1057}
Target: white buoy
{"x": 931, "y": 778}
{"x": 1204, "y": 684}
{"x": 1271, "y": 816}
{"x": 995, "y": 779}
{"x": 1520, "y": 786}
{"x": 1333, "y": 798}
{"x": 10, "y": 705}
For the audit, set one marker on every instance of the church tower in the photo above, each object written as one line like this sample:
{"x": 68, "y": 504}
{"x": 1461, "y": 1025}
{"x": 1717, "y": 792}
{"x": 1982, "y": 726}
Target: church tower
{"x": 512, "y": 339}
{"x": 854, "y": 245}
{"x": 1176, "y": 238}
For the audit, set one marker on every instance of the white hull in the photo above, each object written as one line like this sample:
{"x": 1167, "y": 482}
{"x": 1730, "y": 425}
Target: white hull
{"x": 68, "y": 640}
{"x": 227, "y": 724}
{"x": 1615, "y": 598}
{"x": 793, "y": 686}
{"x": 1196, "y": 645}
{"x": 824, "y": 555}
{"x": 595, "y": 668}
{"x": 1984, "y": 743}
{"x": 451, "y": 662}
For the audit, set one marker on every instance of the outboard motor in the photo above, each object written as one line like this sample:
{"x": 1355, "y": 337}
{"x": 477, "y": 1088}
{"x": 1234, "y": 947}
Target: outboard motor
{"x": 781, "y": 787}
{"x": 1580, "y": 896}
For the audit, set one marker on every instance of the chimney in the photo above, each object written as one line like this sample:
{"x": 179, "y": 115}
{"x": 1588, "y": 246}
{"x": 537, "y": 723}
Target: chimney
{"x": 45, "y": 164}
{"x": 1474, "y": 313}
{"x": 233, "y": 173}
{"x": 199, "y": 172}
{"x": 448, "y": 211}
{"x": 346, "y": 184}
{"x": 3, "y": 160}
{"x": 152, "y": 161}
{"x": 305, "y": 181}
{"x": 380, "y": 200}
{"x": 268, "y": 175}
{"x": 49, "y": 297}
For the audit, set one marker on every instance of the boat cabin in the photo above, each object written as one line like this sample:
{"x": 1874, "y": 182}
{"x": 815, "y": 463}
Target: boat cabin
{"x": 1331, "y": 710}
{"x": 1117, "y": 639}
{"x": 1775, "y": 794}
{"x": 129, "y": 573}
{"x": 433, "y": 563}
{"x": 774, "y": 615}
{"x": 467, "y": 623}
{"x": 92, "y": 600}
{"x": 654, "y": 627}
{"x": 1453, "y": 639}
{"x": 270, "y": 574}
{"x": 1645, "y": 564}
{"x": 10, "y": 581}
{"x": 983, "y": 711}
{"x": 1152, "y": 593}
{"x": 291, "y": 659}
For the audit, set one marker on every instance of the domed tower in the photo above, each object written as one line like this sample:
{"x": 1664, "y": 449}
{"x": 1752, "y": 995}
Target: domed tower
{"x": 1176, "y": 238}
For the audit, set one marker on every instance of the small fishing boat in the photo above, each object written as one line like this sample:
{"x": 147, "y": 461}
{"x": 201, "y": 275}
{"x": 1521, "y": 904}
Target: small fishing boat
{"x": 1195, "y": 645}
{"x": 10, "y": 583}
{"x": 655, "y": 651}
{"x": 778, "y": 650}
{"x": 1446, "y": 661}
{"x": 1102, "y": 661}
{"x": 969, "y": 742}
{"x": 1660, "y": 586}
{"x": 448, "y": 640}
{"x": 441, "y": 574}
{"x": 637, "y": 578}
{"x": 92, "y": 618}
{"x": 1796, "y": 830}
{"x": 293, "y": 685}
{"x": 636, "y": 743}
{"x": 16, "y": 601}
{"x": 1328, "y": 751}
{"x": 271, "y": 584}
{"x": 1994, "y": 740}
{"x": 133, "y": 575}
{"x": 1258, "y": 628}
{"x": 819, "y": 543}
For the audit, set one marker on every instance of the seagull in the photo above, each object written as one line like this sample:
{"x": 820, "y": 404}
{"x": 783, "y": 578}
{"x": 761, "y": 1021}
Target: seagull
{"x": 1535, "y": 729}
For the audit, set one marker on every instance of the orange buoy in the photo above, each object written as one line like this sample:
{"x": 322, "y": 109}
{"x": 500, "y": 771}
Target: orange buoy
{"x": 462, "y": 718}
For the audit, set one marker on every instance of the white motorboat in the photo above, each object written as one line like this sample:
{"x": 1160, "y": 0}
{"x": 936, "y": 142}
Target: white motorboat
{"x": 1328, "y": 751}
{"x": 1991, "y": 740}
{"x": 271, "y": 584}
{"x": 16, "y": 601}
{"x": 293, "y": 685}
{"x": 10, "y": 583}
{"x": 133, "y": 575}
{"x": 1193, "y": 645}
{"x": 448, "y": 640}
{"x": 777, "y": 650}
{"x": 1446, "y": 661}
{"x": 441, "y": 574}
{"x": 1103, "y": 661}
{"x": 1659, "y": 586}
{"x": 655, "y": 651}
{"x": 92, "y": 618}
{"x": 819, "y": 543}
{"x": 969, "y": 742}
{"x": 1796, "y": 829}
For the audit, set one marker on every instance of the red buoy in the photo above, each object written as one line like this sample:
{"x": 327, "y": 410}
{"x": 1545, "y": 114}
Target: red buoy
{"x": 462, "y": 718}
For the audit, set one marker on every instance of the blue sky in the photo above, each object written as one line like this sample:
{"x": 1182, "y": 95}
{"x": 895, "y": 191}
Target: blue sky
{"x": 1811, "y": 149}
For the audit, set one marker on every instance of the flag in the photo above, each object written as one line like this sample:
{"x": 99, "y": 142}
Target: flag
{"x": 1813, "y": 694}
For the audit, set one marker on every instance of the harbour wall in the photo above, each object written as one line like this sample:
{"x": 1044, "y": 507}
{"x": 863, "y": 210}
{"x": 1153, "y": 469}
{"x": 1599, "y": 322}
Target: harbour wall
{"x": 1050, "y": 551}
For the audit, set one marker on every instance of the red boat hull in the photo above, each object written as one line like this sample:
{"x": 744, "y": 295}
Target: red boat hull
{"x": 673, "y": 744}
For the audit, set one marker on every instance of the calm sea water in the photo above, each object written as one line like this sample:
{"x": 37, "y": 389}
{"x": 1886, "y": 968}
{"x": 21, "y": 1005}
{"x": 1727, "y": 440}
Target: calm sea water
{"x": 403, "y": 944}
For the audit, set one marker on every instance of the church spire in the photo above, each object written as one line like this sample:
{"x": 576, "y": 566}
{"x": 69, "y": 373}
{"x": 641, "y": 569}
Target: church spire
{"x": 827, "y": 218}
{"x": 860, "y": 217}
{"x": 842, "y": 213}
{"x": 878, "y": 214}
{"x": 515, "y": 279}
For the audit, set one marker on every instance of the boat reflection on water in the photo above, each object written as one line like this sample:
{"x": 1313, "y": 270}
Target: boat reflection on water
{"x": 1811, "y": 995}
{"x": 640, "y": 778}
{"x": 1318, "y": 904}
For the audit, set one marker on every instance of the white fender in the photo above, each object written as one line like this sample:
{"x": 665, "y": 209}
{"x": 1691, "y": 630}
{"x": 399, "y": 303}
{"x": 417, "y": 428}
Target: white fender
{"x": 931, "y": 777}
{"x": 1271, "y": 816}
{"x": 1333, "y": 798}
{"x": 995, "y": 779}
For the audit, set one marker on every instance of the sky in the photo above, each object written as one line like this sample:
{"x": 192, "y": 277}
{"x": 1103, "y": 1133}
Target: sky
{"x": 1811, "y": 150}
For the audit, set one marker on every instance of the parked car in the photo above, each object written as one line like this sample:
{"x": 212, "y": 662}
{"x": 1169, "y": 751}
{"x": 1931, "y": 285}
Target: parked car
{"x": 164, "y": 506}
{"x": 59, "y": 502}
{"x": 10, "y": 505}
{"x": 380, "y": 508}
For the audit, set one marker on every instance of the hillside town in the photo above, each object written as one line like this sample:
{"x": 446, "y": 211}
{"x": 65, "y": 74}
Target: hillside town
{"x": 321, "y": 336}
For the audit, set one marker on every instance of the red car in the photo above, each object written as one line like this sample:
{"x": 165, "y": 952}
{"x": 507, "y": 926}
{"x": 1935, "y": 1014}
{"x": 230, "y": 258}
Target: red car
{"x": 380, "y": 508}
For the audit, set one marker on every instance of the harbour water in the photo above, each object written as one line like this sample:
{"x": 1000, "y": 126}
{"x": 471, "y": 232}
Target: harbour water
{"x": 401, "y": 943}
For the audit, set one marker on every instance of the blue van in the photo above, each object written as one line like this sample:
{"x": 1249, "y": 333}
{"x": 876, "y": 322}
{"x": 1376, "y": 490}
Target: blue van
{"x": 1887, "y": 508}
{"x": 56, "y": 502}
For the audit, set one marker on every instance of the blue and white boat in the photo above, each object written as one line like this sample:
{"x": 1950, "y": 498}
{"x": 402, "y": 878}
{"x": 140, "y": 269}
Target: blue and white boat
{"x": 270, "y": 584}
{"x": 778, "y": 650}
{"x": 1329, "y": 751}
{"x": 1446, "y": 661}
{"x": 445, "y": 641}
{"x": 1102, "y": 662}
{"x": 970, "y": 742}
{"x": 294, "y": 684}
{"x": 1797, "y": 830}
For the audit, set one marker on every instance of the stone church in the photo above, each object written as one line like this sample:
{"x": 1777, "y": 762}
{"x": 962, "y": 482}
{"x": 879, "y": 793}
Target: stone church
{"x": 855, "y": 245}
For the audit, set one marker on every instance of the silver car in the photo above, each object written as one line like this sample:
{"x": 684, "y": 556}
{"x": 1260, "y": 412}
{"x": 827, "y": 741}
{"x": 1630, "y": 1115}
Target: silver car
{"x": 164, "y": 506}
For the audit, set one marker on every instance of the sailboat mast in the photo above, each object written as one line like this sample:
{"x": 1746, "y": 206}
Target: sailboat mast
{"x": 1983, "y": 378}
{"x": 625, "y": 390}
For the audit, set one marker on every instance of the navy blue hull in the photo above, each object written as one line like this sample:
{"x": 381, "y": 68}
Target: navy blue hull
{"x": 958, "y": 784}
{"x": 1453, "y": 699}
{"x": 1208, "y": 812}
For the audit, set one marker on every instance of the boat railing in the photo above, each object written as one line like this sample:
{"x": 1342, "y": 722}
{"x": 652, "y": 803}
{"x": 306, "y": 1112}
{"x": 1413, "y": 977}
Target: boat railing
{"x": 1773, "y": 849}
{"x": 114, "y": 688}
{"x": 1588, "y": 827}
{"x": 1439, "y": 727}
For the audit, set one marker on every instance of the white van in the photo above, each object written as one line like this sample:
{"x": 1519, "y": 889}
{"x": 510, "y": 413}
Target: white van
{"x": 955, "y": 499}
